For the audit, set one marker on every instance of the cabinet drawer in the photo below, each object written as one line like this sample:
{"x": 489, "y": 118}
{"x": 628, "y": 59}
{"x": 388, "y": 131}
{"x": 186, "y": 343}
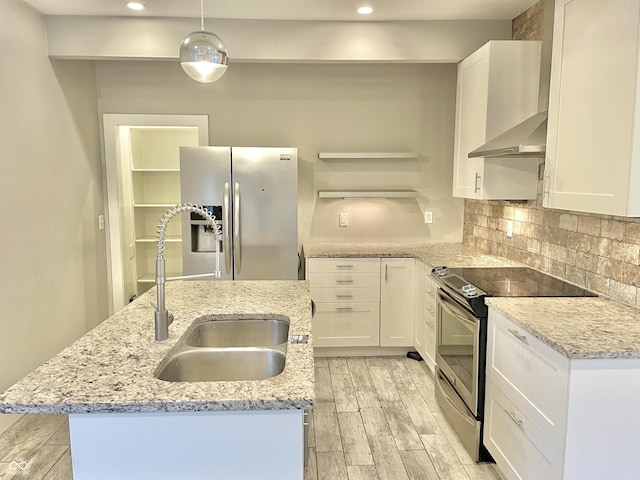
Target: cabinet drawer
{"x": 344, "y": 265}
{"x": 347, "y": 324}
{"x": 344, "y": 294}
{"x": 344, "y": 279}
{"x": 429, "y": 285}
{"x": 520, "y": 450}
{"x": 531, "y": 374}
{"x": 430, "y": 319}
{"x": 430, "y": 303}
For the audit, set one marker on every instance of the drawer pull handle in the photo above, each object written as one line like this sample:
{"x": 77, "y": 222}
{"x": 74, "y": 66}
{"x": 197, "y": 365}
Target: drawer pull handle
{"x": 339, "y": 295}
{"x": 344, "y": 309}
{"x": 518, "y": 335}
{"x": 344, "y": 281}
{"x": 344, "y": 266}
{"x": 512, "y": 416}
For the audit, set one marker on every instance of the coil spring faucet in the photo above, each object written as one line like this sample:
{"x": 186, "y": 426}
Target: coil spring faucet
{"x": 162, "y": 317}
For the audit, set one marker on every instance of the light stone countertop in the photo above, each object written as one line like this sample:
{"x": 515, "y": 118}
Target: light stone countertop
{"x": 431, "y": 254}
{"x": 111, "y": 368}
{"x": 585, "y": 327}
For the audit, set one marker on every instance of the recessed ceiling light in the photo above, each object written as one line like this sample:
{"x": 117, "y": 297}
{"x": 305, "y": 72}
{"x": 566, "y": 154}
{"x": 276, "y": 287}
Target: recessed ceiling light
{"x": 135, "y": 5}
{"x": 365, "y": 10}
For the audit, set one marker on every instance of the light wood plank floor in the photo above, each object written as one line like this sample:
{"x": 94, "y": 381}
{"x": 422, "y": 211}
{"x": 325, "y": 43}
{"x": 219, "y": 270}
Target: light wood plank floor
{"x": 375, "y": 419}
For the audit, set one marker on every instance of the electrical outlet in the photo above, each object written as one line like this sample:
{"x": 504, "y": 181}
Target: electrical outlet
{"x": 428, "y": 217}
{"x": 509, "y": 228}
{"x": 343, "y": 219}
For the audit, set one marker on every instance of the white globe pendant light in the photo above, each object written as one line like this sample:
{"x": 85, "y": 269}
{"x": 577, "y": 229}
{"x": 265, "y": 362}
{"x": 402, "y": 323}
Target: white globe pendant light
{"x": 203, "y": 56}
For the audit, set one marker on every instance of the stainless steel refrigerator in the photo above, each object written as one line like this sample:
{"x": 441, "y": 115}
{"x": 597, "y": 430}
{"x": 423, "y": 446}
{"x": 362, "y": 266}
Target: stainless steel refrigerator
{"x": 253, "y": 192}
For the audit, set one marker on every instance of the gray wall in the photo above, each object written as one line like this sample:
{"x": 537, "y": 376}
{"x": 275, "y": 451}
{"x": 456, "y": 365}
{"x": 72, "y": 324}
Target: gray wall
{"x": 320, "y": 108}
{"x": 54, "y": 281}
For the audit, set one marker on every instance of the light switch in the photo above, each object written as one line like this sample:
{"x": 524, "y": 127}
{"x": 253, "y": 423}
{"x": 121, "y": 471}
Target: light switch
{"x": 343, "y": 219}
{"x": 428, "y": 217}
{"x": 100, "y": 222}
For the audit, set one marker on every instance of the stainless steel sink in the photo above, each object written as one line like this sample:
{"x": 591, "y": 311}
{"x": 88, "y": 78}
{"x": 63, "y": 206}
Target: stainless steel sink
{"x": 222, "y": 364}
{"x": 243, "y": 332}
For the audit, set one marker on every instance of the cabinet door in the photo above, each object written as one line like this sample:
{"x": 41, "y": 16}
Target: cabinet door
{"x": 346, "y": 324}
{"x": 396, "y": 302}
{"x": 471, "y": 121}
{"x": 592, "y": 107}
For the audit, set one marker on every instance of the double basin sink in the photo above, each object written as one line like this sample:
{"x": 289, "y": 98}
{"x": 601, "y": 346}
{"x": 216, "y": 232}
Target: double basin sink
{"x": 223, "y": 348}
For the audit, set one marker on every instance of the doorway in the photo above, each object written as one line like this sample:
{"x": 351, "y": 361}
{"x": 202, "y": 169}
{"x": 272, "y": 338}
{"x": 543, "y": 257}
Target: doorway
{"x": 142, "y": 165}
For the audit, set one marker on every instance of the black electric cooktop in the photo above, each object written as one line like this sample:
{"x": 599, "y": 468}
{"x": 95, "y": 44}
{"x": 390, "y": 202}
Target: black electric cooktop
{"x": 517, "y": 282}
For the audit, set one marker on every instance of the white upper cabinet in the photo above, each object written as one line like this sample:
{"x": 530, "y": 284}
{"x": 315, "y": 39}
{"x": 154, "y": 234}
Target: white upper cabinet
{"x": 497, "y": 89}
{"x": 593, "y": 135}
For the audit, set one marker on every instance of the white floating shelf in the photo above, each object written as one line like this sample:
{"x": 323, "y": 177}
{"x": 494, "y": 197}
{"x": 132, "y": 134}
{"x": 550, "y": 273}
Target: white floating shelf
{"x": 367, "y": 193}
{"x": 366, "y": 155}
{"x": 155, "y": 170}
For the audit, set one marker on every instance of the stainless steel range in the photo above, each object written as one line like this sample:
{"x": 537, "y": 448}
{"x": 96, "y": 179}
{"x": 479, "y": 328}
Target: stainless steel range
{"x": 462, "y": 337}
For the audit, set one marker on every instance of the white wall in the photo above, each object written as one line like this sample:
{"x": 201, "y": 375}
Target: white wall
{"x": 319, "y": 108}
{"x": 53, "y": 261}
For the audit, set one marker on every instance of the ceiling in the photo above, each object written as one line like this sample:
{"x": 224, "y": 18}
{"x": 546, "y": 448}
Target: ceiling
{"x": 332, "y": 10}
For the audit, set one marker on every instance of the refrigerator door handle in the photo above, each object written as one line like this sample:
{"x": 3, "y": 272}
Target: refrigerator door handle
{"x": 226, "y": 230}
{"x": 237, "y": 241}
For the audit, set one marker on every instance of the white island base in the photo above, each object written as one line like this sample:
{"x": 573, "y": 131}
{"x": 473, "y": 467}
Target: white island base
{"x": 239, "y": 445}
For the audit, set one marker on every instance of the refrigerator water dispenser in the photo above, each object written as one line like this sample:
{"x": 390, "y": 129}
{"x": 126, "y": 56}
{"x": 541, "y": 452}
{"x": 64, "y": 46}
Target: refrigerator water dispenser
{"x": 203, "y": 238}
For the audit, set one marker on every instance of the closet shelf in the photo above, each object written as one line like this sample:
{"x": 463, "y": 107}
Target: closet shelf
{"x": 151, "y": 277}
{"x": 367, "y": 193}
{"x": 366, "y": 155}
{"x": 155, "y": 205}
{"x": 168, "y": 239}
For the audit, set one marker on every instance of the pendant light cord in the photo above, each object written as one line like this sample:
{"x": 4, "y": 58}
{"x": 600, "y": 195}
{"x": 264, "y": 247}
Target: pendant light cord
{"x": 202, "y": 15}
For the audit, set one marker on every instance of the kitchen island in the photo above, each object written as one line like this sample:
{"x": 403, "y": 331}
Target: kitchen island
{"x": 125, "y": 423}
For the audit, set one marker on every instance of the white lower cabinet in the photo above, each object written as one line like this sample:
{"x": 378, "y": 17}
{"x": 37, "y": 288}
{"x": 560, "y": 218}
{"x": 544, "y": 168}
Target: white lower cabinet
{"x": 362, "y": 302}
{"x": 396, "y": 302}
{"x": 526, "y": 402}
{"x": 346, "y": 292}
{"x": 550, "y": 417}
{"x": 348, "y": 324}
{"x": 419, "y": 336}
{"x": 429, "y": 318}
{"x": 424, "y": 332}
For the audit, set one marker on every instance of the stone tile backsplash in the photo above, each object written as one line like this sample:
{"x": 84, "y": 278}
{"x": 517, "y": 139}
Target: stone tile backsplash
{"x": 599, "y": 252}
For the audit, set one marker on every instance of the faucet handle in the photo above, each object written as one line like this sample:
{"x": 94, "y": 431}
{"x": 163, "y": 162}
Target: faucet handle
{"x": 170, "y": 318}
{"x": 155, "y": 307}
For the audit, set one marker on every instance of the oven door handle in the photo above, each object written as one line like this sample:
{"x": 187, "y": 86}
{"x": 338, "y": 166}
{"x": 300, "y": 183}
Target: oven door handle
{"x": 453, "y": 310}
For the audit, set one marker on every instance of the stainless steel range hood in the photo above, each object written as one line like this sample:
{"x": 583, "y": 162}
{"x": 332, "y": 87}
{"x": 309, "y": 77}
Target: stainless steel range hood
{"x": 528, "y": 138}
{"x": 525, "y": 139}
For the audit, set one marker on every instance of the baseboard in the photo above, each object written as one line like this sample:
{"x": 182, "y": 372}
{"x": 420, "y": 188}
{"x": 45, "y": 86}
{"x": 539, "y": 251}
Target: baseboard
{"x": 321, "y": 352}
